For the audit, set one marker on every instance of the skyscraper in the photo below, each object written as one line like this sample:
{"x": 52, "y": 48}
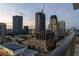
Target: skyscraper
{"x": 17, "y": 24}
{"x": 40, "y": 22}
{"x": 61, "y": 25}
{"x": 2, "y": 32}
{"x": 43, "y": 39}
{"x": 53, "y": 26}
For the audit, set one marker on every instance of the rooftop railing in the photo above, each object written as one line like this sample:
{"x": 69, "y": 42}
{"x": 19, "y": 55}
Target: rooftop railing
{"x": 67, "y": 48}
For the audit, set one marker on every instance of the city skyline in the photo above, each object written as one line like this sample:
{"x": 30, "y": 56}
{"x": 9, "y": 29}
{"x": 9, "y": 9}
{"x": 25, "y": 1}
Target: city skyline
{"x": 64, "y": 11}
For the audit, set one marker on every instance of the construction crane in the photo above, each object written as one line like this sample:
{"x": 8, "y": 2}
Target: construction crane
{"x": 42, "y": 8}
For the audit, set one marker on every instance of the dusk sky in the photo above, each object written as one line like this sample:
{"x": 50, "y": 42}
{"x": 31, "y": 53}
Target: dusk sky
{"x": 63, "y": 11}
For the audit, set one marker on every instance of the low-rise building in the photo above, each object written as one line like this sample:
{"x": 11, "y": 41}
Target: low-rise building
{"x": 15, "y": 47}
{"x": 29, "y": 52}
{"x": 5, "y": 51}
{"x": 43, "y": 41}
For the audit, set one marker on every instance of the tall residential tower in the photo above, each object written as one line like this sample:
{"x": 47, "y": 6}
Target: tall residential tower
{"x": 61, "y": 25}
{"x": 2, "y": 32}
{"x": 53, "y": 26}
{"x": 40, "y": 22}
{"x": 17, "y": 24}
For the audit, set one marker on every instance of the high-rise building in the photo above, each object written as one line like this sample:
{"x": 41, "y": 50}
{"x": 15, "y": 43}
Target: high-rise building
{"x": 40, "y": 22}
{"x": 43, "y": 39}
{"x": 53, "y": 26}
{"x": 61, "y": 25}
{"x": 40, "y": 25}
{"x": 17, "y": 24}
{"x": 2, "y": 32}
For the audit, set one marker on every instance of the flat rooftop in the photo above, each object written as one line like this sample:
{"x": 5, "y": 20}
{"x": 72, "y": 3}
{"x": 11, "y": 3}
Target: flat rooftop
{"x": 29, "y": 52}
{"x": 13, "y": 45}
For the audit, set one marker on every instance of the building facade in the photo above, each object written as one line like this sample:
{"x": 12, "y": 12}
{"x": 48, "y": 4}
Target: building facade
{"x": 61, "y": 25}
{"x": 25, "y": 30}
{"x": 17, "y": 24}
{"x": 40, "y": 22}
{"x": 43, "y": 42}
{"x": 2, "y": 32}
{"x": 53, "y": 25}
{"x": 15, "y": 47}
